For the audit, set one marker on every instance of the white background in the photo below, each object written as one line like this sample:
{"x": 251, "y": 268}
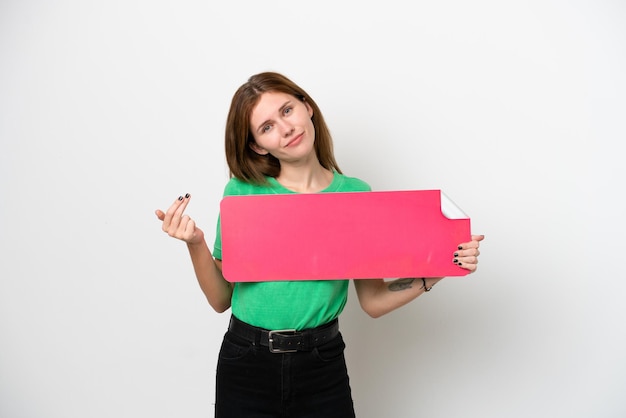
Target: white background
{"x": 111, "y": 109}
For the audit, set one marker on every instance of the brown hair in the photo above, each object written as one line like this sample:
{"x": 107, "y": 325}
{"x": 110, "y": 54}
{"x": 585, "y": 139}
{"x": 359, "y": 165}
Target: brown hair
{"x": 243, "y": 162}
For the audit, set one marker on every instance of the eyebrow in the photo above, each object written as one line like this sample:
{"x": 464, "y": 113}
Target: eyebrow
{"x": 280, "y": 109}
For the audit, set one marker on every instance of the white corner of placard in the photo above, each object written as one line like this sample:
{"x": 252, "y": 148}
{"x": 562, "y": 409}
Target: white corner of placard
{"x": 449, "y": 209}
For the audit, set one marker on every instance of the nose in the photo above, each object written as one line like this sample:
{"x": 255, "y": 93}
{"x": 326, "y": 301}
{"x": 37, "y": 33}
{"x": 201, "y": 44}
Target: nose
{"x": 286, "y": 128}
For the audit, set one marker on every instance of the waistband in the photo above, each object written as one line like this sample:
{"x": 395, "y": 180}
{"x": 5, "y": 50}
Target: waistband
{"x": 286, "y": 340}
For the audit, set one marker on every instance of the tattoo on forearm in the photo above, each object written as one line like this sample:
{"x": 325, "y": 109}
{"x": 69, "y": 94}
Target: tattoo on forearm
{"x": 401, "y": 284}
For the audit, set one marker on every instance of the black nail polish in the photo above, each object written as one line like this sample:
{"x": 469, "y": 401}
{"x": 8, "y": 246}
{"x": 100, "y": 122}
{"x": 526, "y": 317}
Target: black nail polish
{"x": 459, "y": 263}
{"x": 187, "y": 195}
{"x": 455, "y": 261}
{"x": 460, "y": 248}
{"x": 180, "y": 198}
{"x": 456, "y": 254}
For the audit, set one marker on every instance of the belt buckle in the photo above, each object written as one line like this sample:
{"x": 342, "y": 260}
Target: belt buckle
{"x": 279, "y": 332}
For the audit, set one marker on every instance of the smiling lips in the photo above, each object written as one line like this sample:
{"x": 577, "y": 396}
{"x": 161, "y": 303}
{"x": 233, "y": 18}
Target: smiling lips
{"x": 295, "y": 141}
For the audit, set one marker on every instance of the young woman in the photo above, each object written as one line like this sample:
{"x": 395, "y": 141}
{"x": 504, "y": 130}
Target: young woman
{"x": 277, "y": 142}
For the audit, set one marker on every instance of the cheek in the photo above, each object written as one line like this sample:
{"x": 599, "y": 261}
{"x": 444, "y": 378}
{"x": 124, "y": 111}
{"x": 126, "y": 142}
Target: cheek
{"x": 266, "y": 141}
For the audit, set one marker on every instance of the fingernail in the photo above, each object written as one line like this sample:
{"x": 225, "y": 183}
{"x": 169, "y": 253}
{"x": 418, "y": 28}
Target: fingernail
{"x": 455, "y": 261}
{"x": 459, "y": 264}
{"x": 460, "y": 247}
{"x": 187, "y": 195}
{"x": 456, "y": 254}
{"x": 180, "y": 198}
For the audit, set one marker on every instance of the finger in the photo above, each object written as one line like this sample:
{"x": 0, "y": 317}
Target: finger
{"x": 472, "y": 259}
{"x": 466, "y": 259}
{"x": 474, "y": 243}
{"x": 171, "y": 222}
{"x": 179, "y": 215}
{"x": 179, "y": 231}
{"x": 171, "y": 210}
{"x": 183, "y": 205}
{"x": 467, "y": 251}
{"x": 471, "y": 264}
{"x": 160, "y": 214}
{"x": 190, "y": 229}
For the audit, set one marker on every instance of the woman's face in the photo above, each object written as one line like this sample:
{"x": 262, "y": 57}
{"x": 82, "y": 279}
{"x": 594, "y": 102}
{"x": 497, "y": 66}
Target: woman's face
{"x": 281, "y": 125}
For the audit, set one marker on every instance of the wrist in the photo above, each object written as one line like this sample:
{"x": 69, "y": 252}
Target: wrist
{"x": 427, "y": 285}
{"x": 196, "y": 244}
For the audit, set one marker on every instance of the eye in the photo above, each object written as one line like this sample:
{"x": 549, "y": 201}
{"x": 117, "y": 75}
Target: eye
{"x": 288, "y": 110}
{"x": 266, "y": 128}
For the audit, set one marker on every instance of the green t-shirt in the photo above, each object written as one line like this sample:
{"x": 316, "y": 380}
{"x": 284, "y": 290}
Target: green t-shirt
{"x": 287, "y": 304}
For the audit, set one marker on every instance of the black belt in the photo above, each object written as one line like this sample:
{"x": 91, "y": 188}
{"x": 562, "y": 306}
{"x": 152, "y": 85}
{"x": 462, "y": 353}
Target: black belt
{"x": 286, "y": 340}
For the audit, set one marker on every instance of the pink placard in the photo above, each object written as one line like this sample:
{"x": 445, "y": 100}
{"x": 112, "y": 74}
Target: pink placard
{"x": 352, "y": 235}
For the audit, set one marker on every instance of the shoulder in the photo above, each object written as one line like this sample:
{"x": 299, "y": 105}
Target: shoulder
{"x": 351, "y": 184}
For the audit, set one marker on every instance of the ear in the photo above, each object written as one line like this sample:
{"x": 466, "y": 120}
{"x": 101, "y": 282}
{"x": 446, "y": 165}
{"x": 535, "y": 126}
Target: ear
{"x": 256, "y": 148}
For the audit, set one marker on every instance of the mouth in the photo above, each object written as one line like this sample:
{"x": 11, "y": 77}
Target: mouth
{"x": 295, "y": 140}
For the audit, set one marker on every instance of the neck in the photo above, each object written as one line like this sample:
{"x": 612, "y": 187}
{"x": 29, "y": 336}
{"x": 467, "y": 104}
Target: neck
{"x": 305, "y": 179}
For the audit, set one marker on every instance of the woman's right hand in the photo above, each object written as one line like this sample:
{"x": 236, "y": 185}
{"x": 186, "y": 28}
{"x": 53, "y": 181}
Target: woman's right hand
{"x": 178, "y": 225}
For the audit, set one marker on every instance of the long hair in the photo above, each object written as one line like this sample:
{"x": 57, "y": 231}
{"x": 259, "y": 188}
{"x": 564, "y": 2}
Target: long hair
{"x": 243, "y": 162}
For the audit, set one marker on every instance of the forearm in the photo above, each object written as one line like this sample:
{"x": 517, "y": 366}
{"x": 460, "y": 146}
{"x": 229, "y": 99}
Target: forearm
{"x": 378, "y": 297}
{"x": 209, "y": 274}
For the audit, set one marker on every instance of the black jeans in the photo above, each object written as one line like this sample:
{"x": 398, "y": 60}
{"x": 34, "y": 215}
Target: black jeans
{"x": 252, "y": 382}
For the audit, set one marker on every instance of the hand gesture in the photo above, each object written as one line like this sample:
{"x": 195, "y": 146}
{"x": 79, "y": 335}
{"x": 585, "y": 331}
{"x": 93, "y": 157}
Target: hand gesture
{"x": 178, "y": 225}
{"x": 467, "y": 253}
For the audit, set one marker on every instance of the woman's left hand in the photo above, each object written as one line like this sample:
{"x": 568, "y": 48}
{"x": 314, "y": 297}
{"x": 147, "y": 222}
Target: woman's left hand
{"x": 466, "y": 256}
